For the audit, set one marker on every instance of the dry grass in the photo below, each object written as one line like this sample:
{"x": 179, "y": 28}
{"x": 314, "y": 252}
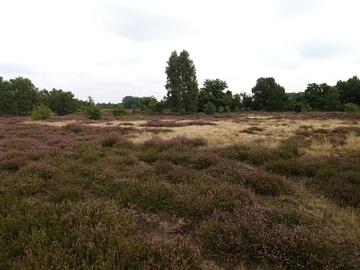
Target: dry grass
{"x": 233, "y": 130}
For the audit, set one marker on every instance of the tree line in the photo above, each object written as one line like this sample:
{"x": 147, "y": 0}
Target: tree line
{"x": 20, "y": 97}
{"x": 184, "y": 95}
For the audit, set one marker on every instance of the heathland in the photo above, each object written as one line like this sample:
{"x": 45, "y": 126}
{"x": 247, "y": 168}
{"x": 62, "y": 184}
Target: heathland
{"x": 247, "y": 190}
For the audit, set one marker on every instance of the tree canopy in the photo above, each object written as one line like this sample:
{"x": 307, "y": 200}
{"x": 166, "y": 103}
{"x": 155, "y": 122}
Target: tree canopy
{"x": 268, "y": 95}
{"x": 213, "y": 92}
{"x": 181, "y": 84}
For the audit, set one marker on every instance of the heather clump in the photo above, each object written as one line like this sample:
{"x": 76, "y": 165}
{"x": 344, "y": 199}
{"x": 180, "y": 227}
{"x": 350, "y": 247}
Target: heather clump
{"x": 230, "y": 171}
{"x": 308, "y": 164}
{"x": 240, "y": 152}
{"x": 12, "y": 160}
{"x": 253, "y": 130}
{"x": 282, "y": 166}
{"x": 346, "y": 130}
{"x": 234, "y": 237}
{"x": 58, "y": 141}
{"x": 259, "y": 154}
{"x": 73, "y": 127}
{"x": 294, "y": 143}
{"x": 109, "y": 141}
{"x": 250, "y": 235}
{"x": 267, "y": 184}
{"x": 339, "y": 180}
{"x": 178, "y": 141}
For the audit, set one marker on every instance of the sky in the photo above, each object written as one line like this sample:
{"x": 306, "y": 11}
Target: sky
{"x": 109, "y": 49}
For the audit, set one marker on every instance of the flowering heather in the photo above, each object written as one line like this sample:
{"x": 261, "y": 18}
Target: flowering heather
{"x": 80, "y": 194}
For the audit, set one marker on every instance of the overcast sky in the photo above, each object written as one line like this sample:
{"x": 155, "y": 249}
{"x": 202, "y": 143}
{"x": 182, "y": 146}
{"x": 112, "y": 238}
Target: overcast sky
{"x": 109, "y": 49}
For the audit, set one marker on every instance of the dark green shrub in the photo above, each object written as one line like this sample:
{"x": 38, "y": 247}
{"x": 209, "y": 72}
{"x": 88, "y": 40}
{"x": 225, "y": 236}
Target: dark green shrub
{"x": 94, "y": 112}
{"x": 119, "y": 111}
{"x": 209, "y": 108}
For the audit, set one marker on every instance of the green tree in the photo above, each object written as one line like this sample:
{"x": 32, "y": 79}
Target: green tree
{"x": 298, "y": 103}
{"x": 209, "y": 108}
{"x": 62, "y": 102}
{"x": 149, "y": 104}
{"x": 7, "y": 98}
{"x": 213, "y": 91}
{"x": 332, "y": 101}
{"x": 268, "y": 95}
{"x": 276, "y": 100}
{"x": 315, "y": 95}
{"x": 181, "y": 84}
{"x": 236, "y": 104}
{"x": 93, "y": 112}
{"x": 25, "y": 95}
{"x": 349, "y": 90}
{"x": 130, "y": 101}
{"x": 247, "y": 101}
{"x": 45, "y": 97}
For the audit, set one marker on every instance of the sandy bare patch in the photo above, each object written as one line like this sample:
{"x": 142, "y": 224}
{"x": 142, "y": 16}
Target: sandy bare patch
{"x": 55, "y": 124}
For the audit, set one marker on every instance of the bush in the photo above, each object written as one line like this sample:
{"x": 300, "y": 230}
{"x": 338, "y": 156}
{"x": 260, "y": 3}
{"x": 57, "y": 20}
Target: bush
{"x": 94, "y": 112}
{"x": 209, "y": 108}
{"x": 41, "y": 112}
{"x": 134, "y": 109}
{"x": 351, "y": 107}
{"x": 119, "y": 111}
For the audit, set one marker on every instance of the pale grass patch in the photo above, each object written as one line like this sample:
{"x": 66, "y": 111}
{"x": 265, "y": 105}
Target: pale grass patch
{"x": 321, "y": 146}
{"x": 142, "y": 137}
{"x": 136, "y": 123}
{"x": 55, "y": 124}
{"x": 343, "y": 221}
{"x": 222, "y": 134}
{"x": 352, "y": 142}
{"x": 316, "y": 123}
{"x": 340, "y": 219}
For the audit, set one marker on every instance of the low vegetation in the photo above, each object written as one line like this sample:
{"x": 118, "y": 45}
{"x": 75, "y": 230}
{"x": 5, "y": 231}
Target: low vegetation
{"x": 221, "y": 191}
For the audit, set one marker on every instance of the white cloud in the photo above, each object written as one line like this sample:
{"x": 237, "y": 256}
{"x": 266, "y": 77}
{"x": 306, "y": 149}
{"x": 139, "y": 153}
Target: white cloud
{"x": 113, "y": 48}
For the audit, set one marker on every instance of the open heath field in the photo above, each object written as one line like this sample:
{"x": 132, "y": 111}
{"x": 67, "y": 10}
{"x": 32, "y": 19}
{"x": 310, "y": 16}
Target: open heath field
{"x": 247, "y": 190}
